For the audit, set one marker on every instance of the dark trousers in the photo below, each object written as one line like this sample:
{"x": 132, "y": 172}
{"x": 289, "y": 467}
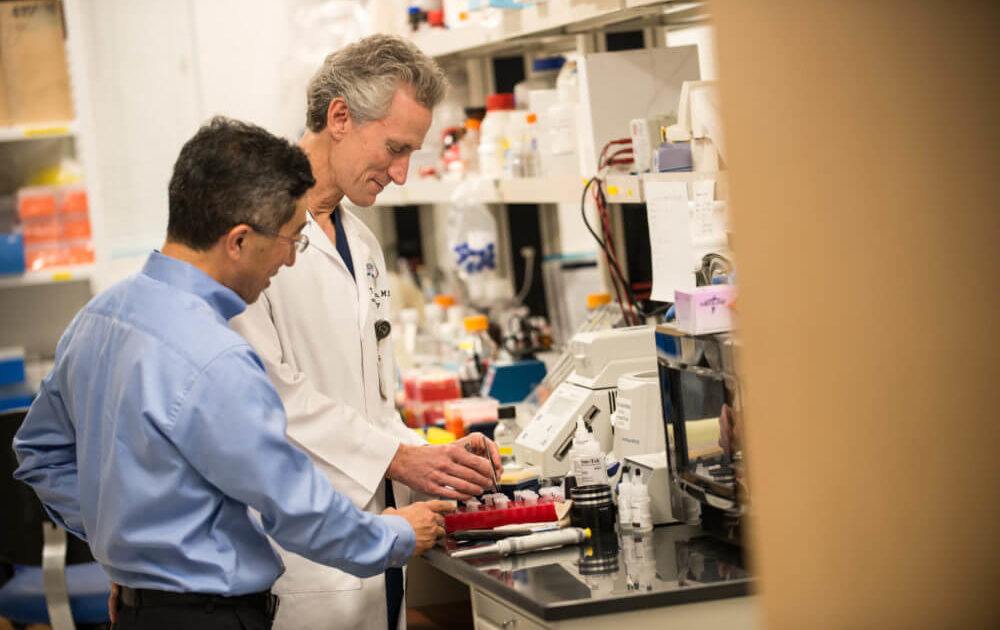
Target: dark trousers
{"x": 191, "y": 618}
{"x": 192, "y": 612}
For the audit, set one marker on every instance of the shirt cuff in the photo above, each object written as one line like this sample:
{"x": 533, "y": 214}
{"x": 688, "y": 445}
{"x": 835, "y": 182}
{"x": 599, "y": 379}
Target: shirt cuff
{"x": 406, "y": 540}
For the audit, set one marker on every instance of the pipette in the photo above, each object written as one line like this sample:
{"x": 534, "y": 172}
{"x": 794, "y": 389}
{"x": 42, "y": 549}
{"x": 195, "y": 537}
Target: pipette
{"x": 523, "y": 544}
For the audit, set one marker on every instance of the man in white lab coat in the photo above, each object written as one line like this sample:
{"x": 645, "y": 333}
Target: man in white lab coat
{"x": 322, "y": 326}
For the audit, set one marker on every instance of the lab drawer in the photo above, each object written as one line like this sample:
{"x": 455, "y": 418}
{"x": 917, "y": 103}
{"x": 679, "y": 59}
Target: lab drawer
{"x": 491, "y": 614}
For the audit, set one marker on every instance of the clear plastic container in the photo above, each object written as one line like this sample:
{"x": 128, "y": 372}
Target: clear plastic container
{"x": 506, "y": 431}
{"x": 521, "y": 158}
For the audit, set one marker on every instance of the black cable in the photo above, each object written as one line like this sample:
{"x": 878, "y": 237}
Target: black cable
{"x": 586, "y": 223}
{"x": 612, "y": 263}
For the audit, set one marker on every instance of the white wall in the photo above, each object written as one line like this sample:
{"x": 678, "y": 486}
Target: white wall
{"x": 147, "y": 73}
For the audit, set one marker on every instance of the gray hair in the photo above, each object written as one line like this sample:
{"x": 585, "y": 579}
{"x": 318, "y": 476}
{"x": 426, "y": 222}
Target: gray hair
{"x": 366, "y": 75}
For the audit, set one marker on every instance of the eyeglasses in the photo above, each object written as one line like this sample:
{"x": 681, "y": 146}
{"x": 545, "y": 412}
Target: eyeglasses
{"x": 300, "y": 241}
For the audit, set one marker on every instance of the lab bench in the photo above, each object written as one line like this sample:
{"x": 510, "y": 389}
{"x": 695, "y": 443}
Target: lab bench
{"x": 673, "y": 576}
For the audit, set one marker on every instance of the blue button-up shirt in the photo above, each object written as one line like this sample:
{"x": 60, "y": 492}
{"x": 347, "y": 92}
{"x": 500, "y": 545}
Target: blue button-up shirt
{"x": 157, "y": 430}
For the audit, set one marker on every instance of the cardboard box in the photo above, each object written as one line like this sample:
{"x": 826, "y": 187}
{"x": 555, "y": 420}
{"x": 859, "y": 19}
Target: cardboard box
{"x": 33, "y": 61}
{"x": 705, "y": 310}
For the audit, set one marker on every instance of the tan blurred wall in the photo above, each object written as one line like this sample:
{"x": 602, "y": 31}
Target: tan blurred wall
{"x": 864, "y": 146}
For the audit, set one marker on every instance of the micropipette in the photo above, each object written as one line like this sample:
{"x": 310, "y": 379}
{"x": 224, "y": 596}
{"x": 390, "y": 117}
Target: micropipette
{"x": 523, "y": 544}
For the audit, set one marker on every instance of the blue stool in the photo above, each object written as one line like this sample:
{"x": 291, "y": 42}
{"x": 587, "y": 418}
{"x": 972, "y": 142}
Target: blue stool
{"x": 22, "y": 599}
{"x": 56, "y": 580}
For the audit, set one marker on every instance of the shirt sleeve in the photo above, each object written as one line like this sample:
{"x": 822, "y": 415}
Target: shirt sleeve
{"x": 361, "y": 450}
{"x": 45, "y": 446}
{"x": 230, "y": 426}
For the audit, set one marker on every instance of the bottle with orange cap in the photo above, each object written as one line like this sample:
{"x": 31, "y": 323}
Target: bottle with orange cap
{"x": 444, "y": 325}
{"x": 479, "y": 351}
{"x": 597, "y": 300}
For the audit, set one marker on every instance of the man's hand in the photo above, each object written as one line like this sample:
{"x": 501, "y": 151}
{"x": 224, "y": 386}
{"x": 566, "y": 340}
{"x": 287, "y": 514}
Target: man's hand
{"x": 113, "y": 603}
{"x": 455, "y": 471}
{"x": 425, "y": 517}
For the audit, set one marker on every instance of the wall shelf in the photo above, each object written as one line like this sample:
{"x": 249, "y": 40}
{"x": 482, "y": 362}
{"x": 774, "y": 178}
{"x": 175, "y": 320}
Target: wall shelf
{"x": 553, "y": 17}
{"x": 559, "y": 189}
{"x": 37, "y": 131}
{"x": 55, "y": 275}
{"x": 631, "y": 188}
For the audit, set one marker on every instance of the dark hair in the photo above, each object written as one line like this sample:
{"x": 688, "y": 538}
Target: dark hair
{"x": 232, "y": 172}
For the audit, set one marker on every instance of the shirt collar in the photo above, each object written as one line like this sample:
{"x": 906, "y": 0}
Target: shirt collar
{"x": 187, "y": 277}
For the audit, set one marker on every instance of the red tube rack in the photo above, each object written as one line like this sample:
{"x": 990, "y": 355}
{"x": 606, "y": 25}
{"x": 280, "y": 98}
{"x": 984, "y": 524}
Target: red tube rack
{"x": 488, "y": 518}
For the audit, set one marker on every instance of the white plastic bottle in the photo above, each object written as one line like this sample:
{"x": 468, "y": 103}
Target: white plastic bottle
{"x": 588, "y": 460}
{"x": 506, "y": 432}
{"x": 493, "y": 135}
{"x": 561, "y": 118}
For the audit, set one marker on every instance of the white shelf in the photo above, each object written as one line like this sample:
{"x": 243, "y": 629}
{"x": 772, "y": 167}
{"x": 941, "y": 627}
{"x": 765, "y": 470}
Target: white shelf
{"x": 561, "y": 189}
{"x": 35, "y": 131}
{"x": 630, "y": 188}
{"x": 552, "y": 16}
{"x": 76, "y": 273}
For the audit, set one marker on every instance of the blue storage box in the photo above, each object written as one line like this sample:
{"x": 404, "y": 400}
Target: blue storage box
{"x": 11, "y": 365}
{"x": 11, "y": 253}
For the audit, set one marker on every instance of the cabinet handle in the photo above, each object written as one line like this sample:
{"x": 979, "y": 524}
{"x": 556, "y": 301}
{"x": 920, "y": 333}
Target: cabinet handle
{"x": 510, "y": 623}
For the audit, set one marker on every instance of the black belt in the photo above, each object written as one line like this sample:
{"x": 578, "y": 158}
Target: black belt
{"x": 140, "y": 597}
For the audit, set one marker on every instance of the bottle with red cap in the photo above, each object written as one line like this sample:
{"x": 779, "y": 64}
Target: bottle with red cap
{"x": 493, "y": 140}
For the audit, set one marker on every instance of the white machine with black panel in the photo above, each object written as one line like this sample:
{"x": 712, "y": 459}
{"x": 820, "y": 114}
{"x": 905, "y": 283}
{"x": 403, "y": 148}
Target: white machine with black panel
{"x": 600, "y": 358}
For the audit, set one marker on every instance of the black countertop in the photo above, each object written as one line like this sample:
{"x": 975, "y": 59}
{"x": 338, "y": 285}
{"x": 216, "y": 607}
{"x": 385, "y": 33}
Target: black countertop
{"x": 673, "y": 564}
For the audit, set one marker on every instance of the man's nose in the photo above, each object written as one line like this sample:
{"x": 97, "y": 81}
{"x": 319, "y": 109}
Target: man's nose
{"x": 398, "y": 169}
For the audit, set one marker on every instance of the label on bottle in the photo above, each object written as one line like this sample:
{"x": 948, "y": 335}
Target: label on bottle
{"x": 589, "y": 470}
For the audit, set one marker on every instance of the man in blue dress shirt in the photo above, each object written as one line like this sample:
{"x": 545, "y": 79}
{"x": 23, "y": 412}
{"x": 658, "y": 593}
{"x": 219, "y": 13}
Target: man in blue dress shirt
{"x": 158, "y": 428}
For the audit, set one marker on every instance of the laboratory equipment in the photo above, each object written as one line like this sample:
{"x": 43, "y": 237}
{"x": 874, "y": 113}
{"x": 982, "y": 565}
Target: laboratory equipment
{"x": 702, "y": 407}
{"x": 488, "y": 515}
{"x": 617, "y": 87}
{"x": 524, "y": 544}
{"x": 479, "y": 351}
{"x": 600, "y": 358}
{"x": 699, "y": 123}
{"x": 512, "y": 381}
{"x": 646, "y": 134}
{"x": 588, "y": 466}
{"x": 638, "y": 419}
{"x": 516, "y": 477}
{"x": 651, "y": 471}
{"x": 467, "y": 415}
{"x": 593, "y": 508}
{"x": 505, "y": 431}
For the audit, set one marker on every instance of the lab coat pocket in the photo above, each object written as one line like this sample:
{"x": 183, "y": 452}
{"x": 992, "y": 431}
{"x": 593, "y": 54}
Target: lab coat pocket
{"x": 305, "y": 576}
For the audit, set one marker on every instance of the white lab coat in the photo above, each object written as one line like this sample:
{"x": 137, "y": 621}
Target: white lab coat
{"x": 314, "y": 328}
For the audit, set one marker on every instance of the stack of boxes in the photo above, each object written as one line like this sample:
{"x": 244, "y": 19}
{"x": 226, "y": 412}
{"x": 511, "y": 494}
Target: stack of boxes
{"x": 54, "y": 225}
{"x": 34, "y": 79}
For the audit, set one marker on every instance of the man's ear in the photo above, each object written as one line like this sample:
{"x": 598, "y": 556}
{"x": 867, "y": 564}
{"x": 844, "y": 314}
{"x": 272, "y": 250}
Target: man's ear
{"x": 338, "y": 118}
{"x": 235, "y": 241}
